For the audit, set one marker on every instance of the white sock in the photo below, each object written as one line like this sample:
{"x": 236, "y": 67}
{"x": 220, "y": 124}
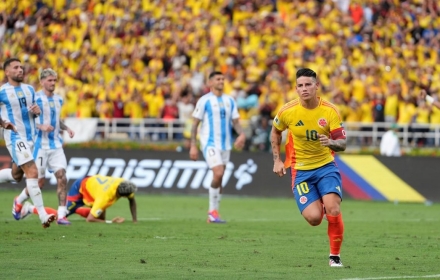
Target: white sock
{"x": 62, "y": 210}
{"x": 22, "y": 197}
{"x": 214, "y": 198}
{"x": 36, "y": 196}
{"x": 6, "y": 175}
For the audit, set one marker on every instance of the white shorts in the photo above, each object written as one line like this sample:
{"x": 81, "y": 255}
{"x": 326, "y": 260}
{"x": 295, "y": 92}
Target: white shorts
{"x": 21, "y": 152}
{"x": 216, "y": 157}
{"x": 53, "y": 160}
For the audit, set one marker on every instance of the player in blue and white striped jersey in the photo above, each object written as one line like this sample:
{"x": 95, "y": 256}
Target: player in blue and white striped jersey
{"x": 18, "y": 108}
{"x": 48, "y": 152}
{"x": 218, "y": 114}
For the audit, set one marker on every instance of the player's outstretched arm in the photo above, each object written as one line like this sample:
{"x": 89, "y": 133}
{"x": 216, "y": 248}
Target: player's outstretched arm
{"x": 275, "y": 141}
{"x": 133, "y": 209}
{"x": 193, "y": 152}
{"x": 92, "y": 219}
{"x": 241, "y": 139}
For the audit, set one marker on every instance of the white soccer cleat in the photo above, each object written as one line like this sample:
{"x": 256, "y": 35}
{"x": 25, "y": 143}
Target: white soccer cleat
{"x": 48, "y": 219}
{"x": 335, "y": 261}
{"x": 26, "y": 210}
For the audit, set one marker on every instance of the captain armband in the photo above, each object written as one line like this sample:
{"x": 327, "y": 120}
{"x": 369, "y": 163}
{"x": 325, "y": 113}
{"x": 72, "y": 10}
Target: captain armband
{"x": 338, "y": 133}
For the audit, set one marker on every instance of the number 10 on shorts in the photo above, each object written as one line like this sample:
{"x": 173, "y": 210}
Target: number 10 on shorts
{"x": 302, "y": 188}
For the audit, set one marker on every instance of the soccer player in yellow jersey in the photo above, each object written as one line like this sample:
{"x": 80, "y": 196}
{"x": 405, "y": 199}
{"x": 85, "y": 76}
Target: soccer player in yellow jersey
{"x": 97, "y": 193}
{"x": 315, "y": 132}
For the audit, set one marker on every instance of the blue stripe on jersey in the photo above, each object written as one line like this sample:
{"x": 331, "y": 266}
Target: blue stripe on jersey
{"x": 40, "y": 133}
{"x": 10, "y": 116}
{"x": 24, "y": 113}
{"x": 59, "y": 114}
{"x": 53, "y": 123}
{"x": 231, "y": 101}
{"x": 222, "y": 121}
{"x": 209, "y": 112}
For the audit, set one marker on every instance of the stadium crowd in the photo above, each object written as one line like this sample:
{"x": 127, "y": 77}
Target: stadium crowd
{"x": 150, "y": 59}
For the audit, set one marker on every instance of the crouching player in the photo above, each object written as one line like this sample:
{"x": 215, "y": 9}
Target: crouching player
{"x": 91, "y": 196}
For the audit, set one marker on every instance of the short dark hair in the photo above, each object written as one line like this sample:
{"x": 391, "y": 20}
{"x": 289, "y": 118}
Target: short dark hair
{"x": 306, "y": 72}
{"x": 215, "y": 73}
{"x": 9, "y": 61}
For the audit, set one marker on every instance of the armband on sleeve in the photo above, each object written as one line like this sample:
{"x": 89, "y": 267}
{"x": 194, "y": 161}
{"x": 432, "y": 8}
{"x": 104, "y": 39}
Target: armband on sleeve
{"x": 338, "y": 133}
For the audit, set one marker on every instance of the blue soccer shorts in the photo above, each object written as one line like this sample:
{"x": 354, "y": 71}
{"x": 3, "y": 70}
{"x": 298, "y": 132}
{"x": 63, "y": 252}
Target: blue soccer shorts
{"x": 74, "y": 197}
{"x": 311, "y": 185}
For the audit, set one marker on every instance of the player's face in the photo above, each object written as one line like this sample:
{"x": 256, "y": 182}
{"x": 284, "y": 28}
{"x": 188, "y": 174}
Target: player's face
{"x": 15, "y": 72}
{"x": 306, "y": 88}
{"x": 49, "y": 83}
{"x": 218, "y": 82}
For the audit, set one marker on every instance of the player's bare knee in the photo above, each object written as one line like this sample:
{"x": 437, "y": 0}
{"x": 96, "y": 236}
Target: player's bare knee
{"x": 41, "y": 182}
{"x": 314, "y": 221}
{"x": 333, "y": 211}
{"x": 17, "y": 176}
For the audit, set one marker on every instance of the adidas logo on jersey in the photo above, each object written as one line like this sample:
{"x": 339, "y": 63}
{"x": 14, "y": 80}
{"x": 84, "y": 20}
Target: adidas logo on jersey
{"x": 300, "y": 123}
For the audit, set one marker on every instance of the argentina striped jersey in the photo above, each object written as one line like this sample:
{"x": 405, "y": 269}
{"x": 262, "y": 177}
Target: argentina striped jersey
{"x": 14, "y": 104}
{"x": 50, "y": 114}
{"x": 216, "y": 114}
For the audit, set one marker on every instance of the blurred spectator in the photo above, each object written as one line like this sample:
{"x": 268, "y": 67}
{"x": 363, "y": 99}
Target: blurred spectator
{"x": 390, "y": 145}
{"x": 260, "y": 140}
{"x": 108, "y": 49}
{"x": 186, "y": 108}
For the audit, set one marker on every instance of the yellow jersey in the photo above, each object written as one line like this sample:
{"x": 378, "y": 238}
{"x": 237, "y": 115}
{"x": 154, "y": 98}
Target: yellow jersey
{"x": 100, "y": 192}
{"x": 303, "y": 149}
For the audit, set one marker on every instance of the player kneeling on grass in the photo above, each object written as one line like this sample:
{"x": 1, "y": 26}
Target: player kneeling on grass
{"x": 91, "y": 196}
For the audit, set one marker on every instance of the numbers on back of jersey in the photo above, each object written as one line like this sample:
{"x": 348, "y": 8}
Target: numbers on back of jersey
{"x": 105, "y": 183}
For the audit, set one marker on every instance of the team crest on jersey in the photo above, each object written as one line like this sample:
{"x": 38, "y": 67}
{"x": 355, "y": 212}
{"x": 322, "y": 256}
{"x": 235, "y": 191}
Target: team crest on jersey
{"x": 322, "y": 122}
{"x": 51, "y": 104}
{"x": 303, "y": 200}
{"x": 20, "y": 94}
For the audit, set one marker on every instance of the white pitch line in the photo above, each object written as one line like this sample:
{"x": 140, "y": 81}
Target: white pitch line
{"x": 395, "y": 277}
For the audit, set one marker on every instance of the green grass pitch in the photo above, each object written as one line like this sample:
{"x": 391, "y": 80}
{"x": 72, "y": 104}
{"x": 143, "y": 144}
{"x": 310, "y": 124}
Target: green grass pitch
{"x": 263, "y": 239}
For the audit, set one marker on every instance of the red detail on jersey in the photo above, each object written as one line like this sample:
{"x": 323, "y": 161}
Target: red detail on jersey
{"x": 322, "y": 122}
{"x": 338, "y": 133}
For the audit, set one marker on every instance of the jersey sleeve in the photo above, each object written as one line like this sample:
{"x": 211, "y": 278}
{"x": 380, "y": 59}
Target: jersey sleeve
{"x": 39, "y": 120}
{"x": 235, "y": 114}
{"x": 99, "y": 207}
{"x": 336, "y": 128}
{"x": 32, "y": 90}
{"x": 200, "y": 109}
{"x": 279, "y": 122}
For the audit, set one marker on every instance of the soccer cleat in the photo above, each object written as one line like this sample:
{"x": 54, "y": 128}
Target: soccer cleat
{"x": 48, "y": 219}
{"x": 16, "y": 209}
{"x": 64, "y": 222}
{"x": 335, "y": 261}
{"x": 214, "y": 217}
{"x": 26, "y": 210}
